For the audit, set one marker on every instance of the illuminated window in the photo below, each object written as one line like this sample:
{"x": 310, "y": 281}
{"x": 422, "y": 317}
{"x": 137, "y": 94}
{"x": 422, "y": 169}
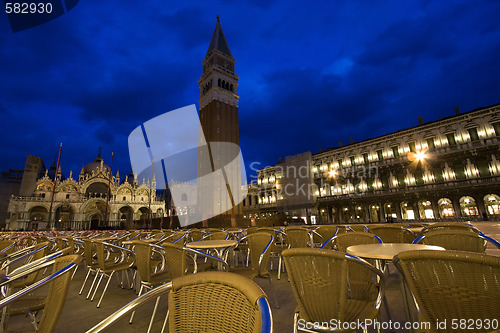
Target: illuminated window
{"x": 365, "y": 157}
{"x": 379, "y": 154}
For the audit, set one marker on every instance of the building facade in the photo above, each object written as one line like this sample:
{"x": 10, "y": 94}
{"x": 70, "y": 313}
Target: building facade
{"x": 96, "y": 199}
{"x": 442, "y": 170}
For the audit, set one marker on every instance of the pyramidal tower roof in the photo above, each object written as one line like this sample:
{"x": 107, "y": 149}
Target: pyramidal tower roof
{"x": 219, "y": 41}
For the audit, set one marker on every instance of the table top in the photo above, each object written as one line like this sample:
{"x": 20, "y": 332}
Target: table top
{"x": 386, "y": 250}
{"x": 211, "y": 244}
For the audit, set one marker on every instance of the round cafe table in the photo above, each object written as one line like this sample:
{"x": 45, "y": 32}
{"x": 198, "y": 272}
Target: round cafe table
{"x": 387, "y": 251}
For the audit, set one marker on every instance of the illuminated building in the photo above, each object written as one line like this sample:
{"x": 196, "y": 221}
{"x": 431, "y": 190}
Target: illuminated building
{"x": 447, "y": 169}
{"x": 81, "y": 203}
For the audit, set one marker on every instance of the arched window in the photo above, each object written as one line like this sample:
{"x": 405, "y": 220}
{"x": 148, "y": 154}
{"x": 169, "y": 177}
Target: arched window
{"x": 184, "y": 197}
{"x": 231, "y": 87}
{"x": 218, "y": 82}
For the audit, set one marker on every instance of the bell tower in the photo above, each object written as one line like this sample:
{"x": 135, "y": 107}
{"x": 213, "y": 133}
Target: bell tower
{"x": 219, "y": 121}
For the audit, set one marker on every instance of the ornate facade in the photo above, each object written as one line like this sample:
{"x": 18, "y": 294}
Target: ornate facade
{"x": 84, "y": 203}
{"x": 442, "y": 170}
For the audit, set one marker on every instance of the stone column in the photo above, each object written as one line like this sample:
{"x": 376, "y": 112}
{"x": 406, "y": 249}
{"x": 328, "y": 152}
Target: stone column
{"x": 416, "y": 210}
{"x": 435, "y": 209}
{"x": 368, "y": 217}
{"x": 456, "y": 207}
{"x": 398, "y": 210}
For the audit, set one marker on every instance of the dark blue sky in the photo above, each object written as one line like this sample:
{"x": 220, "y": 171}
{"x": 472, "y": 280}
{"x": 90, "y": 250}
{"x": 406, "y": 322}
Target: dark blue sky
{"x": 311, "y": 73}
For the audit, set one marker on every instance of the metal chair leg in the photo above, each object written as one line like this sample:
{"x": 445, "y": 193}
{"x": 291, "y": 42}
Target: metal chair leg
{"x": 133, "y": 312}
{"x": 274, "y": 293}
{"x": 85, "y": 281}
{"x": 153, "y": 315}
{"x": 105, "y": 288}
{"x": 165, "y": 322}
{"x": 93, "y": 283}
{"x": 97, "y": 287}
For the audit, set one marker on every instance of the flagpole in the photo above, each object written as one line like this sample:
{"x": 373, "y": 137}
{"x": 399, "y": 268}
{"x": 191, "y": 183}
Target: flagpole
{"x": 54, "y": 190}
{"x": 106, "y": 216}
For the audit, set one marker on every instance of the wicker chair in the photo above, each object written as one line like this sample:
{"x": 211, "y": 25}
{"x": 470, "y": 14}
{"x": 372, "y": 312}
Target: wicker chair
{"x": 393, "y": 233}
{"x": 453, "y": 285}
{"x": 40, "y": 251}
{"x": 451, "y": 226}
{"x": 106, "y": 269}
{"x": 207, "y": 302}
{"x": 295, "y": 237}
{"x": 341, "y": 242}
{"x": 457, "y": 240}
{"x": 91, "y": 263}
{"x": 217, "y": 235}
{"x": 63, "y": 268}
{"x": 357, "y": 227}
{"x": 196, "y": 235}
{"x": 320, "y": 281}
{"x": 260, "y": 246}
{"x": 6, "y": 247}
{"x": 145, "y": 264}
{"x": 326, "y": 232}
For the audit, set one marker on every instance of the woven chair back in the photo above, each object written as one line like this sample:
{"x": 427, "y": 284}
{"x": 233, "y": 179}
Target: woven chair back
{"x": 258, "y": 243}
{"x": 297, "y": 237}
{"x": 214, "y": 302}
{"x": 326, "y": 232}
{"x": 88, "y": 251}
{"x": 319, "y": 280}
{"x": 196, "y": 235}
{"x": 453, "y": 284}
{"x": 4, "y": 245}
{"x": 143, "y": 255}
{"x": 357, "y": 227}
{"x": 459, "y": 240}
{"x": 343, "y": 241}
{"x": 217, "y": 235}
{"x": 175, "y": 257}
{"x": 392, "y": 234}
{"x": 449, "y": 226}
{"x": 57, "y": 293}
{"x": 31, "y": 278}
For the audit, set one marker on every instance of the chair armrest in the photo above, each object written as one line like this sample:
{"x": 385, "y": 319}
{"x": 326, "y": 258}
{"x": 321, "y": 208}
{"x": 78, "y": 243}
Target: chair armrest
{"x": 131, "y": 306}
{"x": 375, "y": 270}
{"x": 206, "y": 255}
{"x": 123, "y": 252}
{"x": 266, "y": 316}
{"x": 37, "y": 284}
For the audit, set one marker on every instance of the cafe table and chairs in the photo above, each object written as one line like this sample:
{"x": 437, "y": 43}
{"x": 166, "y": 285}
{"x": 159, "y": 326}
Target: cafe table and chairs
{"x": 387, "y": 251}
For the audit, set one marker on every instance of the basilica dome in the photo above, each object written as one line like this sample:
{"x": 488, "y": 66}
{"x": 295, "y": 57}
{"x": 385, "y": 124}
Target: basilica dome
{"x": 95, "y": 166}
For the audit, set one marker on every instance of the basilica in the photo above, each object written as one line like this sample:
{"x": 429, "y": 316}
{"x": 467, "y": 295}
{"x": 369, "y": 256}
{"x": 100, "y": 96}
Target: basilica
{"x": 95, "y": 199}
